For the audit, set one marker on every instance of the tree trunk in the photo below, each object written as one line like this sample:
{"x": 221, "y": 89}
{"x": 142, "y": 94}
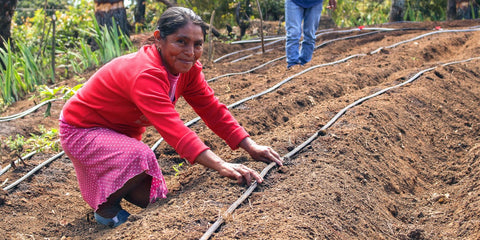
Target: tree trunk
{"x": 451, "y": 10}
{"x": 105, "y": 10}
{"x": 7, "y": 8}
{"x": 242, "y": 16}
{"x": 397, "y": 10}
{"x": 140, "y": 11}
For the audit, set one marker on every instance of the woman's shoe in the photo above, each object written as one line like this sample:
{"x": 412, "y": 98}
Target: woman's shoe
{"x": 120, "y": 218}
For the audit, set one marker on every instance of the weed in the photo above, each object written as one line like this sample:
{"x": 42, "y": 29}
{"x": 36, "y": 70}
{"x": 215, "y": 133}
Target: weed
{"x": 48, "y": 94}
{"x": 177, "y": 168}
{"x": 46, "y": 140}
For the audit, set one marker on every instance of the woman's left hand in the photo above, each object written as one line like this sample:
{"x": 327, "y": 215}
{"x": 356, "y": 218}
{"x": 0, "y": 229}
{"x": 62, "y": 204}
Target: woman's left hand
{"x": 261, "y": 153}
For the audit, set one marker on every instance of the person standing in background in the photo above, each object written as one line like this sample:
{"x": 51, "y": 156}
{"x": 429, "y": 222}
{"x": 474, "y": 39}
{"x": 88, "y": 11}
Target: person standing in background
{"x": 308, "y": 12}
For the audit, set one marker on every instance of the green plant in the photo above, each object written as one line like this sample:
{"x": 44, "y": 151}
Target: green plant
{"x": 27, "y": 64}
{"x": 177, "y": 168}
{"x": 46, "y": 140}
{"x": 21, "y": 73}
{"x": 16, "y": 145}
{"x": 8, "y": 75}
{"x": 48, "y": 94}
{"x": 69, "y": 92}
{"x": 351, "y": 13}
{"x": 111, "y": 41}
{"x": 87, "y": 57}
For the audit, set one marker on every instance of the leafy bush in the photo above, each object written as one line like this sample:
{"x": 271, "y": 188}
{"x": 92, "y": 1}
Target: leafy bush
{"x": 29, "y": 62}
{"x": 46, "y": 140}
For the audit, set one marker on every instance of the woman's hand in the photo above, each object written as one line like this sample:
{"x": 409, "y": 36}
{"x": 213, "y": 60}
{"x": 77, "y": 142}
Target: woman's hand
{"x": 259, "y": 152}
{"x": 239, "y": 172}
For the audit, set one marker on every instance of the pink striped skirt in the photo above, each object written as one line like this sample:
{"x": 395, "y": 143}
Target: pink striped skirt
{"x": 105, "y": 160}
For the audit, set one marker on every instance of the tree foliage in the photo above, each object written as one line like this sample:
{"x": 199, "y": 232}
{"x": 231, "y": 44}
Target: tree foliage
{"x": 26, "y": 9}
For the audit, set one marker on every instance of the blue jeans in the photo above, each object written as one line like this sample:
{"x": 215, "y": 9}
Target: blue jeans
{"x": 294, "y": 15}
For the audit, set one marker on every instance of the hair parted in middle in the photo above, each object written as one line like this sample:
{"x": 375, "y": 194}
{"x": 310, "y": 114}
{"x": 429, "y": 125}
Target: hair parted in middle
{"x": 175, "y": 18}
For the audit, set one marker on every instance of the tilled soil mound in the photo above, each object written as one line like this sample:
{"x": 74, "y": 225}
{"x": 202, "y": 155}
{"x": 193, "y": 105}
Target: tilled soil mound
{"x": 404, "y": 164}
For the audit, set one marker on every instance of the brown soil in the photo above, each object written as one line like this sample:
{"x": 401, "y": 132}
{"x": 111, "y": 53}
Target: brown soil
{"x": 402, "y": 165}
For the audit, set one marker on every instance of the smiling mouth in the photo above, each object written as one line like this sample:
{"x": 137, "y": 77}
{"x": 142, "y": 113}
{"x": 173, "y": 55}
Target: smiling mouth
{"x": 187, "y": 61}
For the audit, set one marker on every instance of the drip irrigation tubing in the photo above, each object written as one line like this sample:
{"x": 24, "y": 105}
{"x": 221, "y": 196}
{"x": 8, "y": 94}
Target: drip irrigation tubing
{"x": 5, "y": 169}
{"x": 243, "y": 50}
{"x": 276, "y": 86}
{"x": 34, "y": 170}
{"x": 274, "y": 60}
{"x": 321, "y": 44}
{"x": 247, "y": 56}
{"x": 321, "y": 132}
{"x": 26, "y": 112}
{"x": 428, "y": 34}
{"x": 256, "y": 40}
{"x": 277, "y": 39}
{"x": 283, "y": 38}
{"x": 193, "y": 121}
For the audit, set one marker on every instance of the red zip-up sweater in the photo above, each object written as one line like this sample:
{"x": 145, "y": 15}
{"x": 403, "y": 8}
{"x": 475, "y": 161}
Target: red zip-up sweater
{"x": 131, "y": 92}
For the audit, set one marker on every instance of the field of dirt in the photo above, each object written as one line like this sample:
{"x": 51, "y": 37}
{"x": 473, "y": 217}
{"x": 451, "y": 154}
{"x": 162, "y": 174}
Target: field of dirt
{"x": 401, "y": 165}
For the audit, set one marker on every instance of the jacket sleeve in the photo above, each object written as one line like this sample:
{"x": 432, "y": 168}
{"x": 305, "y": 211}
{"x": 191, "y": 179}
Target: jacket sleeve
{"x": 214, "y": 113}
{"x": 150, "y": 94}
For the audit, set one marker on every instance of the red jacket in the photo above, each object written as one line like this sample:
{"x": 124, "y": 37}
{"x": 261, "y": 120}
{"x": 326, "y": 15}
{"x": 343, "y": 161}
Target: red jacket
{"x": 131, "y": 92}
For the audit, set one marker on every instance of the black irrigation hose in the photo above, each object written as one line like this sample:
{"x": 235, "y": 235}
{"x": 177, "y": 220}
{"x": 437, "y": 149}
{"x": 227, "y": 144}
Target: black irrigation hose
{"x": 242, "y": 198}
{"x": 284, "y": 56}
{"x": 257, "y": 40}
{"x": 33, "y": 171}
{"x": 321, "y": 132}
{"x": 5, "y": 169}
{"x": 427, "y": 34}
{"x": 26, "y": 112}
{"x": 247, "y": 56}
{"x": 320, "y": 45}
{"x": 278, "y": 39}
{"x": 306, "y": 70}
{"x": 283, "y": 38}
{"x": 248, "y": 49}
{"x": 267, "y": 91}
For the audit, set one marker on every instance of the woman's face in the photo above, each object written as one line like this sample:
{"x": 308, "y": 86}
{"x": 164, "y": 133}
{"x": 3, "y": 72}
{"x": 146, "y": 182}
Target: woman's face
{"x": 181, "y": 49}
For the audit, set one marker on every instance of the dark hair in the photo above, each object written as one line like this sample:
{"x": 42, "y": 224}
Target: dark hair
{"x": 175, "y": 18}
